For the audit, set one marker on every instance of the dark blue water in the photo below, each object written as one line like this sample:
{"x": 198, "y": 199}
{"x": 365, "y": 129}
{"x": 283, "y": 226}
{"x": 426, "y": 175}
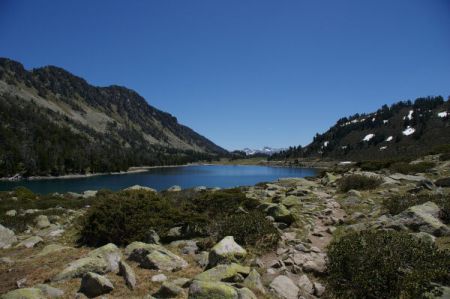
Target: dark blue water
{"x": 223, "y": 176}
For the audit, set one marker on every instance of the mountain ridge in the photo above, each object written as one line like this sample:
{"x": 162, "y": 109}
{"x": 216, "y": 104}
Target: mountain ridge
{"x": 115, "y": 117}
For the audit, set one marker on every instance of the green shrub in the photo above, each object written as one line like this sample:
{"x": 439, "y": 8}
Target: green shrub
{"x": 358, "y": 182}
{"x": 443, "y": 182}
{"x": 385, "y": 264}
{"x": 252, "y": 229}
{"x": 441, "y": 149}
{"x": 444, "y": 157}
{"x": 406, "y": 168}
{"x": 373, "y": 165}
{"x": 127, "y": 216}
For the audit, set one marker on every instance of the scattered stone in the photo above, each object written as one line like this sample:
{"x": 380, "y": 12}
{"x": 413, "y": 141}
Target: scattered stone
{"x": 227, "y": 273}
{"x": 7, "y": 237}
{"x": 152, "y": 256}
{"x": 280, "y": 213}
{"x": 89, "y": 193}
{"x": 317, "y": 267}
{"x": 253, "y": 282}
{"x": 139, "y": 187}
{"x": 42, "y": 221}
{"x": 210, "y": 290}
{"x": 21, "y": 283}
{"x": 30, "y": 242}
{"x": 202, "y": 259}
{"x": 186, "y": 246}
{"x": 93, "y": 285}
{"x": 159, "y": 278}
{"x": 11, "y": 213}
{"x": 319, "y": 289}
{"x": 25, "y": 293}
{"x": 227, "y": 250}
{"x": 128, "y": 274}
{"x": 305, "y": 284}
{"x": 49, "y": 291}
{"x": 169, "y": 290}
{"x": 101, "y": 260}
{"x": 174, "y": 188}
{"x": 284, "y": 288}
{"x": 245, "y": 293}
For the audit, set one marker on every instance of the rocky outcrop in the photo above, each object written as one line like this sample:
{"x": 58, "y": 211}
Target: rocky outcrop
{"x": 42, "y": 221}
{"x": 212, "y": 290}
{"x": 101, "y": 260}
{"x": 93, "y": 285}
{"x": 7, "y": 237}
{"x": 227, "y": 273}
{"x": 226, "y": 251}
{"x": 153, "y": 256}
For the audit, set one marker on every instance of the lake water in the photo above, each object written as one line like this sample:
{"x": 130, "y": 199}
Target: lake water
{"x": 223, "y": 176}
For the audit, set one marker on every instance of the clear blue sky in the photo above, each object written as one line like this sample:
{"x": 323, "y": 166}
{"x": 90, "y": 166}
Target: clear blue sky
{"x": 243, "y": 73}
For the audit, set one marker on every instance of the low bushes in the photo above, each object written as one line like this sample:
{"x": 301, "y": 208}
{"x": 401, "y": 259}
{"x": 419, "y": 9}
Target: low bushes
{"x": 385, "y": 264}
{"x": 443, "y": 182}
{"x": 407, "y": 168}
{"x": 444, "y": 157}
{"x": 127, "y": 216}
{"x": 358, "y": 182}
{"x": 397, "y": 204}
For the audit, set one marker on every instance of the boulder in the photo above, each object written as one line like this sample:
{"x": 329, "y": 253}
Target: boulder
{"x": 93, "y": 285}
{"x": 7, "y": 237}
{"x": 328, "y": 179}
{"x": 226, "y": 251}
{"x": 152, "y": 237}
{"x": 25, "y": 293}
{"x": 30, "y": 242}
{"x": 101, "y": 260}
{"x": 407, "y": 177}
{"x": 245, "y": 293}
{"x": 291, "y": 201}
{"x": 305, "y": 284}
{"x": 128, "y": 274}
{"x": 52, "y": 248}
{"x": 41, "y": 221}
{"x": 153, "y": 256}
{"x": 319, "y": 289}
{"x": 89, "y": 193}
{"x": 211, "y": 290}
{"x": 422, "y": 218}
{"x": 139, "y": 187}
{"x": 11, "y": 213}
{"x": 253, "y": 282}
{"x": 49, "y": 291}
{"x": 226, "y": 273}
{"x": 159, "y": 278}
{"x": 168, "y": 290}
{"x": 174, "y": 188}
{"x": 284, "y": 288}
{"x": 280, "y": 213}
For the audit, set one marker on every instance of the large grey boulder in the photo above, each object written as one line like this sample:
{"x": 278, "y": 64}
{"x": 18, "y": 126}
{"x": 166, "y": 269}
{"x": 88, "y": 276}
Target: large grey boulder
{"x": 174, "y": 188}
{"x": 226, "y": 273}
{"x": 284, "y": 288}
{"x": 253, "y": 282}
{"x": 49, "y": 291}
{"x": 226, "y": 251}
{"x": 305, "y": 284}
{"x": 280, "y": 213}
{"x": 93, "y": 285}
{"x": 101, "y": 260}
{"x": 30, "y": 242}
{"x": 211, "y": 290}
{"x": 41, "y": 221}
{"x": 424, "y": 218}
{"x": 153, "y": 256}
{"x": 169, "y": 290}
{"x": 25, "y": 293}
{"x": 128, "y": 274}
{"x": 7, "y": 237}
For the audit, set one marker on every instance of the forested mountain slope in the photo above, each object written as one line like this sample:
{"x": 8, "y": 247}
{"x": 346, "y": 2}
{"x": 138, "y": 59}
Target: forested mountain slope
{"x": 52, "y": 122}
{"x": 404, "y": 129}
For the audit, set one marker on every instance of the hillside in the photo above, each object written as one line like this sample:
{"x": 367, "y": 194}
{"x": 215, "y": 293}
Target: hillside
{"x": 405, "y": 129}
{"x": 52, "y": 122}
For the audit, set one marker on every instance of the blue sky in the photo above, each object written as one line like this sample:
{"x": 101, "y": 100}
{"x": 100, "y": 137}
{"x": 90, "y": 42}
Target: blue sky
{"x": 243, "y": 73}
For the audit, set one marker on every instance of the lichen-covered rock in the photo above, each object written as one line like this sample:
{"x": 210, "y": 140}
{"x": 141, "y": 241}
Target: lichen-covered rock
{"x": 225, "y": 272}
{"x": 11, "y": 213}
{"x": 30, "y": 242}
{"x": 128, "y": 274}
{"x": 49, "y": 291}
{"x": 211, "y": 290}
{"x": 280, "y": 213}
{"x": 25, "y": 293}
{"x": 253, "y": 282}
{"x": 153, "y": 256}
{"x": 42, "y": 221}
{"x": 169, "y": 290}
{"x": 101, "y": 260}
{"x": 226, "y": 251}
{"x": 245, "y": 293}
{"x": 284, "y": 288}
{"x": 424, "y": 218}
{"x": 7, "y": 237}
{"x": 93, "y": 285}
{"x": 305, "y": 284}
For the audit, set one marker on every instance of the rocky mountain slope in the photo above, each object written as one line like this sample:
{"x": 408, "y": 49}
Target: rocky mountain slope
{"x": 405, "y": 129}
{"x": 49, "y": 110}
